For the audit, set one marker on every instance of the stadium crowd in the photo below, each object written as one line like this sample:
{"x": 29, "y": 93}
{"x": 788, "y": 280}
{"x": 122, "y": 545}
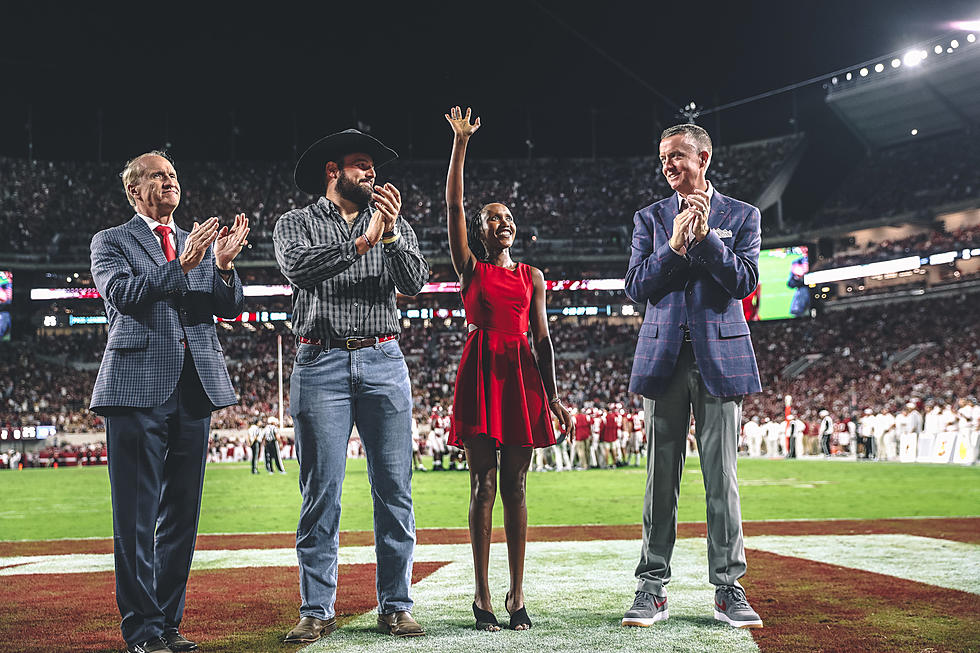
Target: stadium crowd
{"x": 924, "y": 351}
{"x": 927, "y": 242}
{"x": 563, "y": 198}
{"x": 894, "y": 181}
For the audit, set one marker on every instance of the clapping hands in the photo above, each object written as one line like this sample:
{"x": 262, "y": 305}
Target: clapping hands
{"x": 230, "y": 242}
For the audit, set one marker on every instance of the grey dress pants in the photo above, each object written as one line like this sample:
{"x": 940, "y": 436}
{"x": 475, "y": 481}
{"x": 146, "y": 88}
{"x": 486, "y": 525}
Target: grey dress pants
{"x": 717, "y": 422}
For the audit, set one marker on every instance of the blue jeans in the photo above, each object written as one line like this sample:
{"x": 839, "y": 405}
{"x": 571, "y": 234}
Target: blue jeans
{"x": 331, "y": 390}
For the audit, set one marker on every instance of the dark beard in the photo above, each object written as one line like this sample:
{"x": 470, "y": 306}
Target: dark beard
{"x": 352, "y": 191}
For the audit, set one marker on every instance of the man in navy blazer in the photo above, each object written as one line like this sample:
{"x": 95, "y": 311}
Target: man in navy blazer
{"x": 695, "y": 255}
{"x": 162, "y": 375}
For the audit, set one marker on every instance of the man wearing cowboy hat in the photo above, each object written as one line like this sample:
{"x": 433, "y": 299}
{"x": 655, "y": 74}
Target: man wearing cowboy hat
{"x": 345, "y": 255}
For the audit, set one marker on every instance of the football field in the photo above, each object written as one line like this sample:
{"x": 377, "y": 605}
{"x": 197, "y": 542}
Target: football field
{"x": 841, "y": 556}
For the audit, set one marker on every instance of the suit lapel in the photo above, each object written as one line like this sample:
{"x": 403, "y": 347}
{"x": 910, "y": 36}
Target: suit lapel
{"x": 147, "y": 239}
{"x": 195, "y": 273}
{"x": 720, "y": 208}
{"x": 666, "y": 215}
{"x": 181, "y": 239}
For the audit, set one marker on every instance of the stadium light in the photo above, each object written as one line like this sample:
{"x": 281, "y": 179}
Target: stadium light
{"x": 896, "y": 62}
{"x": 879, "y": 67}
{"x": 864, "y": 72}
{"x": 954, "y": 44}
{"x": 833, "y": 80}
{"x": 914, "y": 57}
{"x": 848, "y": 76}
{"x": 915, "y": 132}
{"x": 938, "y": 49}
{"x": 970, "y": 38}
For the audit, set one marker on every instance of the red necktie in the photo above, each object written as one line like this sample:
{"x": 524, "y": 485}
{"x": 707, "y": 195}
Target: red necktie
{"x": 168, "y": 248}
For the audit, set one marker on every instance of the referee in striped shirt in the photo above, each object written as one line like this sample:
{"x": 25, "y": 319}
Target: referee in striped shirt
{"x": 345, "y": 256}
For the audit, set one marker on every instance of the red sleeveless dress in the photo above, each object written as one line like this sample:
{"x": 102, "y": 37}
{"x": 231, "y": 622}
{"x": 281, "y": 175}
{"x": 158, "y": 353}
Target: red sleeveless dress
{"x": 499, "y": 391}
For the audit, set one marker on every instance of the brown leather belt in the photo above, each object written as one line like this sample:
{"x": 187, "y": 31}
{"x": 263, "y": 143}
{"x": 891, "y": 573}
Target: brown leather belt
{"x": 349, "y": 344}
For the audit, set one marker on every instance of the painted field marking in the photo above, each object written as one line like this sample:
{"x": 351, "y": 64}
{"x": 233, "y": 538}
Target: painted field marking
{"x": 943, "y": 563}
{"x": 578, "y": 591}
{"x": 576, "y": 594}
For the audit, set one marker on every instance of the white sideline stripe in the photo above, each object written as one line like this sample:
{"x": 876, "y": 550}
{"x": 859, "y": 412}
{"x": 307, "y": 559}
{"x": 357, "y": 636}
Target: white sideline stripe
{"x": 943, "y": 563}
{"x": 74, "y": 563}
{"x": 463, "y": 528}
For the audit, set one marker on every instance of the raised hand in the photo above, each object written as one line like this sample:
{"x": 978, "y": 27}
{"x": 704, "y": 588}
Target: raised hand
{"x": 462, "y": 127}
{"x": 387, "y": 202}
{"x": 200, "y": 238}
{"x": 230, "y": 242}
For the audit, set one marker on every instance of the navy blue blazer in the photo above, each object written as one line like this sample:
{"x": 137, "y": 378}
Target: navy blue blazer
{"x": 702, "y": 290}
{"x": 151, "y": 304}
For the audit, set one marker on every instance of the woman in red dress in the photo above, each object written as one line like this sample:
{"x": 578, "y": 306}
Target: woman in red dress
{"x": 505, "y": 394}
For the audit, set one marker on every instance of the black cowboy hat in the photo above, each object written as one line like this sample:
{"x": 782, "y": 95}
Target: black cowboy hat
{"x": 309, "y": 174}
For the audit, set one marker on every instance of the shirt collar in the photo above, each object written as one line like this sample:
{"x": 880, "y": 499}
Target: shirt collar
{"x": 711, "y": 193}
{"x": 329, "y": 208}
{"x": 153, "y": 224}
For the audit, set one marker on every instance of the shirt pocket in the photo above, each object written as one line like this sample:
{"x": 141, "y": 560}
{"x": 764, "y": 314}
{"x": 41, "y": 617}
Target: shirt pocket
{"x": 129, "y": 339}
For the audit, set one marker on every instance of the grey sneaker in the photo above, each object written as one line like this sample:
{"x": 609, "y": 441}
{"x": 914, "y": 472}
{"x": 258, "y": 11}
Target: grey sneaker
{"x": 647, "y": 610}
{"x": 733, "y": 608}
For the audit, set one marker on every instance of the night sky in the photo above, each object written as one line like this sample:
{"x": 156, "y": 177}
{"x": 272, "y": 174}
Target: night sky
{"x": 284, "y": 74}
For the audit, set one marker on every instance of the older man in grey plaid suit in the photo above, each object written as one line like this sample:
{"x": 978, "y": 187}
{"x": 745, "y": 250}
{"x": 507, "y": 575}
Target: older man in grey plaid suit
{"x": 162, "y": 375}
{"x": 694, "y": 255}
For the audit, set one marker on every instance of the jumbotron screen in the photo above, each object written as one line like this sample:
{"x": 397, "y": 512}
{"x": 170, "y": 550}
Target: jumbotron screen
{"x": 6, "y": 287}
{"x": 6, "y": 298}
{"x": 781, "y": 293}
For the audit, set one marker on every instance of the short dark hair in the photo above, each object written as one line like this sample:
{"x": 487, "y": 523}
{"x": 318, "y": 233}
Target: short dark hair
{"x": 697, "y": 134}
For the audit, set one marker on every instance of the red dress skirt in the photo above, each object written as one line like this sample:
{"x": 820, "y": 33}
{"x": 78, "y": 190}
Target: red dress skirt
{"x": 499, "y": 391}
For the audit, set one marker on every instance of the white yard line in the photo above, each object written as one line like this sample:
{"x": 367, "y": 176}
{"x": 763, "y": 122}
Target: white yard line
{"x": 944, "y": 563}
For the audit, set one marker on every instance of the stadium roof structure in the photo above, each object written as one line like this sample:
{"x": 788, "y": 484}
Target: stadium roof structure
{"x": 926, "y": 92}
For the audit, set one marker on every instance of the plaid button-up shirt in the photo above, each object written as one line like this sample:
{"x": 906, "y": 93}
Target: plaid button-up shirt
{"x": 336, "y": 292}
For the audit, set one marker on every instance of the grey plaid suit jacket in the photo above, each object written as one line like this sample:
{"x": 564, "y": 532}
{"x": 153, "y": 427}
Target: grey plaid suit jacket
{"x": 702, "y": 290}
{"x": 152, "y": 306}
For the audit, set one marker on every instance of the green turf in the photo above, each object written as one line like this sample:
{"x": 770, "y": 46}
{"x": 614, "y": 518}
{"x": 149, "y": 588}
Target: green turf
{"x": 74, "y": 502}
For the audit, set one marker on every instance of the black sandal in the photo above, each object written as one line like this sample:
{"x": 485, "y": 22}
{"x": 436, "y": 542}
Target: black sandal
{"x": 485, "y": 620}
{"x": 519, "y": 617}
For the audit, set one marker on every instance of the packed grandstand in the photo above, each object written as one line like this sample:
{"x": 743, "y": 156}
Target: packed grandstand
{"x": 877, "y": 343}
